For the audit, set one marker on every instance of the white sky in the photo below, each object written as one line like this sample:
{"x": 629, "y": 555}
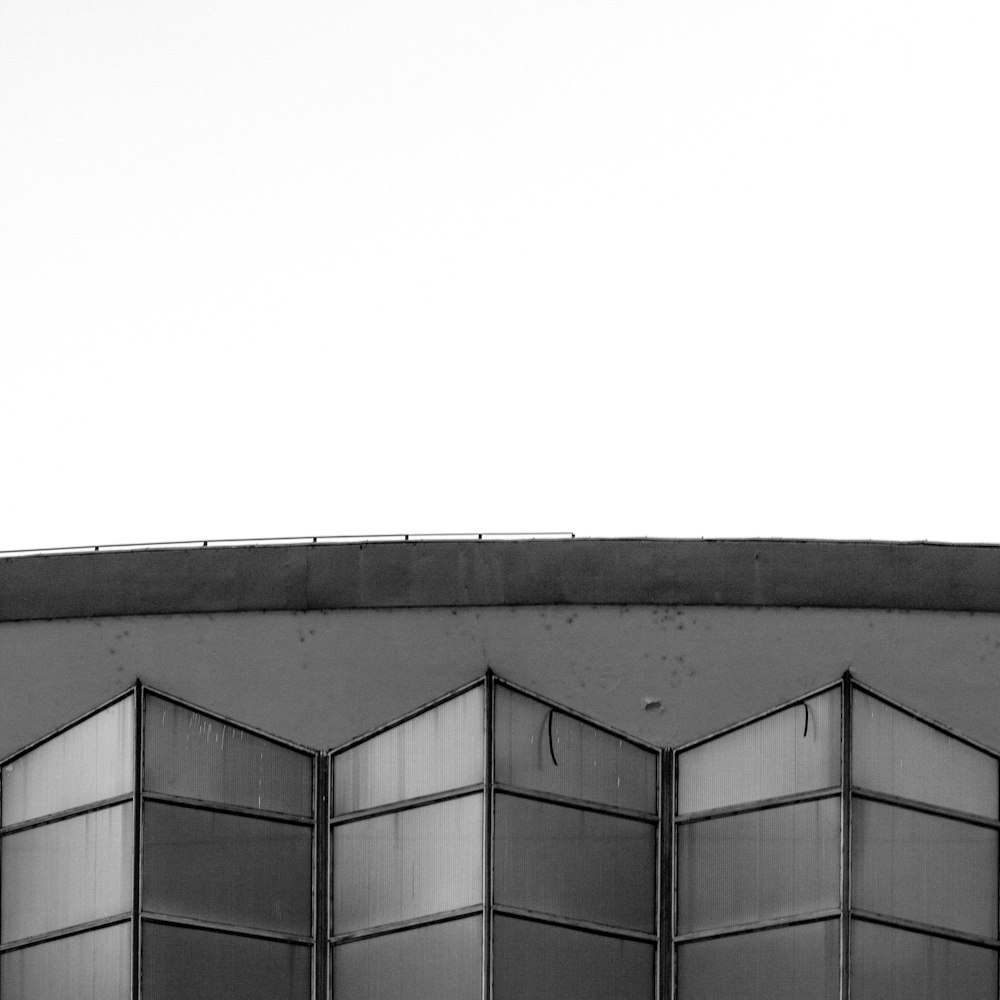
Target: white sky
{"x": 618, "y": 267}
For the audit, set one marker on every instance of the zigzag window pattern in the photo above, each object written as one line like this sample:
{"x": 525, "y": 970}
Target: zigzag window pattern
{"x": 495, "y": 845}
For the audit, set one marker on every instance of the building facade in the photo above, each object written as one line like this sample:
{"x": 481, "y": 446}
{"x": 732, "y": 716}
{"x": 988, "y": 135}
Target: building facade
{"x": 512, "y": 769}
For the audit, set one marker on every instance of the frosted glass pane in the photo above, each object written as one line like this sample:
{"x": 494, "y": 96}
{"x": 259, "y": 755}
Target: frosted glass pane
{"x": 434, "y": 752}
{"x": 536, "y": 961}
{"x": 575, "y": 863}
{"x": 96, "y": 965}
{"x": 408, "y": 864}
{"x": 197, "y": 757}
{"x": 902, "y": 756}
{"x": 589, "y": 763}
{"x": 758, "y": 865}
{"x": 892, "y": 964}
{"x": 66, "y": 873}
{"x": 228, "y": 869}
{"x": 440, "y": 962}
{"x": 777, "y": 755}
{"x": 181, "y": 963}
{"x": 93, "y": 760}
{"x": 925, "y": 868}
{"x": 785, "y": 963}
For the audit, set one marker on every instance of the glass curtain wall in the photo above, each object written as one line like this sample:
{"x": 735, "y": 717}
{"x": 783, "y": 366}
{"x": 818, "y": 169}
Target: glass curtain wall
{"x": 575, "y": 856}
{"x": 67, "y": 808}
{"x": 226, "y": 889}
{"x": 493, "y": 845}
{"x": 407, "y": 849}
{"x": 924, "y": 847}
{"x": 757, "y": 855}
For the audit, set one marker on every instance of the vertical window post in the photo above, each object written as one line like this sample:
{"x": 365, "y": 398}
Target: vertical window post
{"x": 846, "y": 750}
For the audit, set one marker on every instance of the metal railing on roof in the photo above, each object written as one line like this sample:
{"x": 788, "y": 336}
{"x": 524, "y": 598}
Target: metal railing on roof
{"x": 294, "y": 540}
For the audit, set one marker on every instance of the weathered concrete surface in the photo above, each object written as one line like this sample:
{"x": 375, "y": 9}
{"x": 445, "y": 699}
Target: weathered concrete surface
{"x": 746, "y": 573}
{"x": 322, "y": 677}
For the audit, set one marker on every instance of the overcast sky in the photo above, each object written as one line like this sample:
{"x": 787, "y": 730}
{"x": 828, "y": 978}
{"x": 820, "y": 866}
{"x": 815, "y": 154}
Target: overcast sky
{"x": 619, "y": 267}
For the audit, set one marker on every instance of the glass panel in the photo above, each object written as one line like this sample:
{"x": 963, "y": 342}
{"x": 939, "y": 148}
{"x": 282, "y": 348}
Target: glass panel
{"x": 926, "y": 868}
{"x": 439, "y": 962}
{"x": 434, "y": 752}
{"x": 93, "y": 760}
{"x": 536, "y": 961}
{"x": 181, "y": 963}
{"x": 66, "y": 873}
{"x": 892, "y": 964}
{"x": 758, "y": 865}
{"x": 582, "y": 762}
{"x": 96, "y": 965}
{"x": 575, "y": 863}
{"x": 197, "y": 757}
{"x": 899, "y": 755}
{"x": 794, "y": 750}
{"x": 408, "y": 864}
{"x": 228, "y": 869}
{"x": 785, "y": 963}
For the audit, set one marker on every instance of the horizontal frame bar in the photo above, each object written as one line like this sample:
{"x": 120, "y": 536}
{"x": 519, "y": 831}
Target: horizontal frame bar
{"x": 784, "y": 706}
{"x": 409, "y": 716}
{"x": 64, "y": 932}
{"x": 476, "y": 910}
{"x": 816, "y": 916}
{"x": 923, "y": 807}
{"x": 236, "y": 724}
{"x": 233, "y": 810}
{"x": 931, "y": 930}
{"x": 149, "y": 916}
{"x": 89, "y": 714}
{"x": 759, "y": 805}
{"x": 58, "y": 817}
{"x": 407, "y": 804}
{"x": 605, "y": 930}
{"x": 573, "y": 803}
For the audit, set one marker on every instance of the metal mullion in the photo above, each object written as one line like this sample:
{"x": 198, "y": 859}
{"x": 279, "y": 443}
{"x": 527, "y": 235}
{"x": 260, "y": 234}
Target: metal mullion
{"x": 328, "y": 943}
{"x": 742, "y": 724}
{"x": 931, "y": 930}
{"x": 674, "y": 770}
{"x": 579, "y": 717}
{"x": 407, "y": 804}
{"x": 64, "y": 932}
{"x": 924, "y": 807}
{"x": 665, "y": 881}
{"x": 574, "y": 803}
{"x": 411, "y": 923}
{"x": 195, "y": 923}
{"x": 89, "y": 714}
{"x": 846, "y": 831}
{"x": 64, "y": 814}
{"x": 588, "y": 926}
{"x": 242, "y": 726}
{"x": 321, "y": 856}
{"x": 138, "y": 780}
{"x": 793, "y": 920}
{"x": 760, "y": 805}
{"x": 489, "y": 815}
{"x": 224, "y": 807}
{"x": 408, "y": 717}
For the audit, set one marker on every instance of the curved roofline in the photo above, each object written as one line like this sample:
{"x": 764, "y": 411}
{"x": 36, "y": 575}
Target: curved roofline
{"x": 425, "y": 574}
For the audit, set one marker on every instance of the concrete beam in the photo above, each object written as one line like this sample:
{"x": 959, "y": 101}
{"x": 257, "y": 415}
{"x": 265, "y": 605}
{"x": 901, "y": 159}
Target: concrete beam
{"x": 752, "y": 573}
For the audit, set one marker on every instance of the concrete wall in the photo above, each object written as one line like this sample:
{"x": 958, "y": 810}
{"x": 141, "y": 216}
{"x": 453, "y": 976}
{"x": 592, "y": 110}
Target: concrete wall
{"x": 321, "y": 677}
